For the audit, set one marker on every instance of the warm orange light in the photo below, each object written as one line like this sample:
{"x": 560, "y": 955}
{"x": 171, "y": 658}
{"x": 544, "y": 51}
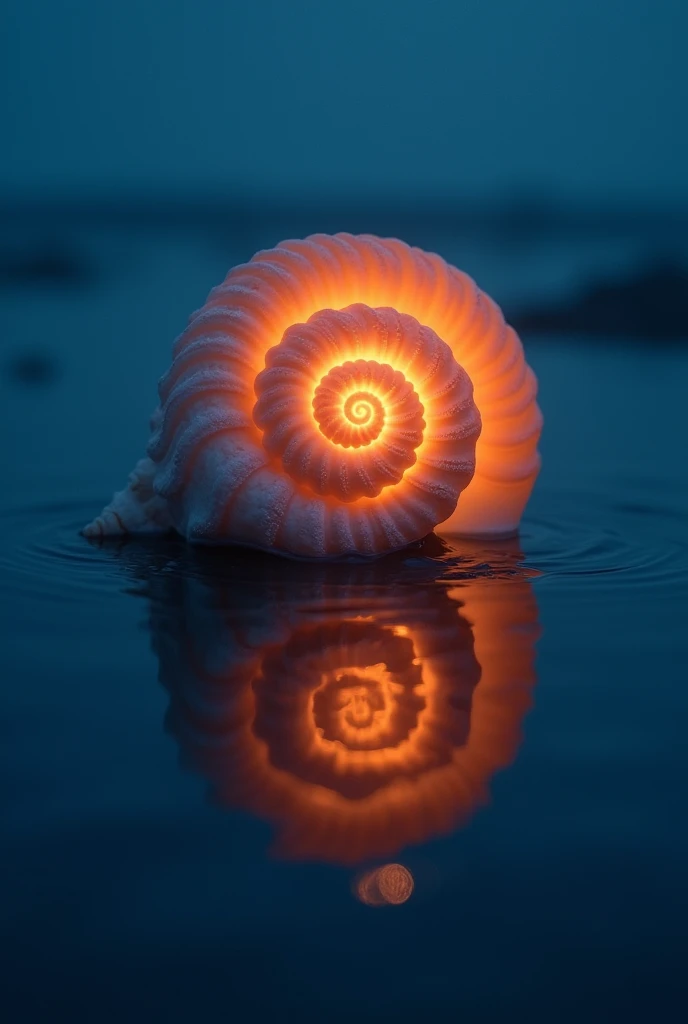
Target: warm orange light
{"x": 389, "y": 885}
{"x": 358, "y": 721}
{"x": 393, "y": 428}
{"x": 339, "y": 395}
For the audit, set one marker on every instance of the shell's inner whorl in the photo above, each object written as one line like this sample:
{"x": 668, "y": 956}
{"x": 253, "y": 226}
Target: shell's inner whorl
{"x": 350, "y": 421}
{"x": 338, "y": 401}
{"x": 353, "y": 402}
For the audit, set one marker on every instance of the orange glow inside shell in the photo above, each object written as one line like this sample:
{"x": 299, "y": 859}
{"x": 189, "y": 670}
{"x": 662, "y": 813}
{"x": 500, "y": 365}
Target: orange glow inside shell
{"x": 353, "y": 399}
{"x": 281, "y": 290}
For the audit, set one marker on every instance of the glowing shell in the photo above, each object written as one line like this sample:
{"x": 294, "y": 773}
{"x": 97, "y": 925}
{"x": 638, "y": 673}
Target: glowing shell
{"x": 328, "y": 400}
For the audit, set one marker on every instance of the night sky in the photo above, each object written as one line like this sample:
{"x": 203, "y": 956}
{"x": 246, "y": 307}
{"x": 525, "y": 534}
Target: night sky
{"x": 450, "y": 97}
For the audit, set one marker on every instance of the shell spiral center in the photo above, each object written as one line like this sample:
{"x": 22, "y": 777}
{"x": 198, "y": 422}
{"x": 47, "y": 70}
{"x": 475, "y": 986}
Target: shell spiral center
{"x": 362, "y": 407}
{"x": 355, "y": 400}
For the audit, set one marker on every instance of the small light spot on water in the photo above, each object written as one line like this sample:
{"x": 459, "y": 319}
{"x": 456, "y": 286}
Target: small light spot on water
{"x": 388, "y": 885}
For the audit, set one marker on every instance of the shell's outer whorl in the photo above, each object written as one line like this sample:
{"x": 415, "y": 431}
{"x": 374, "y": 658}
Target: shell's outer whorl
{"x": 233, "y": 460}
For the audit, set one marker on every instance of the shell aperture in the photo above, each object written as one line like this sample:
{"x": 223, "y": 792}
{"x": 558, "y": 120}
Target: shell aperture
{"x": 338, "y": 395}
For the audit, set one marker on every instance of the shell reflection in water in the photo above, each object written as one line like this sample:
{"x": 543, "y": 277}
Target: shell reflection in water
{"x": 356, "y": 719}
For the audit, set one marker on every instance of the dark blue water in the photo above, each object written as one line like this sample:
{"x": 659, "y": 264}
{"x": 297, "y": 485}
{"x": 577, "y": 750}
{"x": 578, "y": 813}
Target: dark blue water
{"x": 190, "y": 834}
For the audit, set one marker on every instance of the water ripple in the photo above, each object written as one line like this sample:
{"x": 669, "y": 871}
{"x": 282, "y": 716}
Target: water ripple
{"x": 581, "y": 540}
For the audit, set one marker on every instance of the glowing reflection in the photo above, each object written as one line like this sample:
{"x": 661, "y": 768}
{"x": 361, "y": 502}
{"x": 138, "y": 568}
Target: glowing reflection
{"x": 389, "y": 885}
{"x": 356, "y": 717}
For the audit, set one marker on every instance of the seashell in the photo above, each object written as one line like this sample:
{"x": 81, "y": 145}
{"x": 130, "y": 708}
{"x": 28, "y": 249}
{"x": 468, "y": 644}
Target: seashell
{"x": 338, "y": 395}
{"x": 354, "y": 716}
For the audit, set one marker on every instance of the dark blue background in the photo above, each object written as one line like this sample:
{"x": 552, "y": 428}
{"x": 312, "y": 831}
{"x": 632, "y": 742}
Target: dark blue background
{"x": 149, "y": 146}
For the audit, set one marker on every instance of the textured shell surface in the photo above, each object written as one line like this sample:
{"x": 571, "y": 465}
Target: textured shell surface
{"x": 338, "y": 395}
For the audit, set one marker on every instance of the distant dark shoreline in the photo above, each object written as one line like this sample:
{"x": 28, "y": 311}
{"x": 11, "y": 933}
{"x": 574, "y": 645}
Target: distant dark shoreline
{"x": 648, "y": 301}
{"x": 378, "y": 215}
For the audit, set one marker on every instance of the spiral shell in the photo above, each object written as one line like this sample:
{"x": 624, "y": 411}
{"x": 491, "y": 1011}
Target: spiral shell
{"x": 338, "y": 395}
{"x": 356, "y": 719}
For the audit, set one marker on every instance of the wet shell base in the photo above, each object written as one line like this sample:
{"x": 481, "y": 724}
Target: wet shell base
{"x": 338, "y": 396}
